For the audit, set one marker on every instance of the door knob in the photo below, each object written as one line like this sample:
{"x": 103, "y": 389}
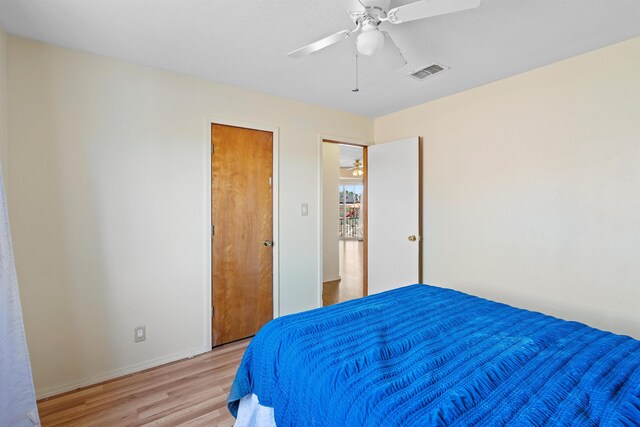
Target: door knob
{"x": 268, "y": 243}
{"x": 412, "y": 238}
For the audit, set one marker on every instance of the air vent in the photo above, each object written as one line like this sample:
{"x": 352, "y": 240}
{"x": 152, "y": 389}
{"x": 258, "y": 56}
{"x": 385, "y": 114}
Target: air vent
{"x": 427, "y": 71}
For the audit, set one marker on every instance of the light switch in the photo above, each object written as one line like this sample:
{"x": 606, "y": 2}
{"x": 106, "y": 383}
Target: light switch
{"x": 304, "y": 209}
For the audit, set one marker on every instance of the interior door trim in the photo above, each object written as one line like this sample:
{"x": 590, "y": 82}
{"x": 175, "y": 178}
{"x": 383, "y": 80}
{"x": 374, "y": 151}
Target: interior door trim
{"x": 357, "y": 143}
{"x": 206, "y": 226}
{"x": 420, "y": 209}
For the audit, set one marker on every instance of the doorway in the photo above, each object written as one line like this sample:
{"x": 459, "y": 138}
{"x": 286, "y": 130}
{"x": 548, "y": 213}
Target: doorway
{"x": 242, "y": 258}
{"x": 344, "y": 222}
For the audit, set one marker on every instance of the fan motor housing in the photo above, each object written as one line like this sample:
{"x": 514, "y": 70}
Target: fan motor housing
{"x": 380, "y": 4}
{"x": 376, "y": 10}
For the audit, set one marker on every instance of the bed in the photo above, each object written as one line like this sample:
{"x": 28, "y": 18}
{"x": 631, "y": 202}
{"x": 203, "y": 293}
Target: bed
{"x": 428, "y": 356}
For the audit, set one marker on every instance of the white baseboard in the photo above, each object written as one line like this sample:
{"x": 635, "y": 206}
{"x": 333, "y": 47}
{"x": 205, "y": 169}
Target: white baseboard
{"x": 63, "y": 388}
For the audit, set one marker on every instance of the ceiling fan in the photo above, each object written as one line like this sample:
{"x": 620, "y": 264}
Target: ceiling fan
{"x": 357, "y": 168}
{"x": 367, "y": 15}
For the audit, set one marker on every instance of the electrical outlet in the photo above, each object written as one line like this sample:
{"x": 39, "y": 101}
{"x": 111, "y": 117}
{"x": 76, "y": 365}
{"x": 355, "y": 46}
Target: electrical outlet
{"x": 140, "y": 334}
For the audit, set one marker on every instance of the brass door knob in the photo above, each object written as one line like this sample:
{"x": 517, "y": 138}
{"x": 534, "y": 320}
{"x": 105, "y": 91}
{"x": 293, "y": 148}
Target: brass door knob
{"x": 412, "y": 238}
{"x": 268, "y": 243}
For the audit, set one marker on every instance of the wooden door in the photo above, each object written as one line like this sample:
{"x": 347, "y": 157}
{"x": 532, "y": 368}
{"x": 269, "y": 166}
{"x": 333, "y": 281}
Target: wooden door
{"x": 394, "y": 215}
{"x": 242, "y": 231}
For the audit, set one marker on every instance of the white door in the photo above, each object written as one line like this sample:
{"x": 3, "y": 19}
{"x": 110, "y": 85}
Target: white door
{"x": 394, "y": 241}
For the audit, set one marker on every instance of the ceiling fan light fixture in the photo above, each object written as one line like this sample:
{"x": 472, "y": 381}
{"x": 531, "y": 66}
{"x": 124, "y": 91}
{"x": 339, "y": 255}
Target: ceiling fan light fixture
{"x": 357, "y": 168}
{"x": 368, "y": 14}
{"x": 370, "y": 40}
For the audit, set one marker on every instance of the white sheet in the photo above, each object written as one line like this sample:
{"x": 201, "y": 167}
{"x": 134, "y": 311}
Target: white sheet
{"x": 252, "y": 414}
{"x": 17, "y": 398}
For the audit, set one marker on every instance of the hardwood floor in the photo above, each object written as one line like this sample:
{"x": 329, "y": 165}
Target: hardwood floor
{"x": 190, "y": 392}
{"x": 351, "y": 266}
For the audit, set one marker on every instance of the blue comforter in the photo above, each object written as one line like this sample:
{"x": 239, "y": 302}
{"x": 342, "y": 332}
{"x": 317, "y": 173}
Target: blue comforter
{"x": 427, "y": 356}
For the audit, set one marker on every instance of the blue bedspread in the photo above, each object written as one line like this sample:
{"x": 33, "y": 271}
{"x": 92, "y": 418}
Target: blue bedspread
{"x": 427, "y": 356}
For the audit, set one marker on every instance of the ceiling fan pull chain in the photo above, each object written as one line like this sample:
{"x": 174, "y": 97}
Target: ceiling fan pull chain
{"x": 356, "y": 89}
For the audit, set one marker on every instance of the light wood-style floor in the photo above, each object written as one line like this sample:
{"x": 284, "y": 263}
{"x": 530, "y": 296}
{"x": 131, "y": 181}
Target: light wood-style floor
{"x": 190, "y": 392}
{"x": 351, "y": 267}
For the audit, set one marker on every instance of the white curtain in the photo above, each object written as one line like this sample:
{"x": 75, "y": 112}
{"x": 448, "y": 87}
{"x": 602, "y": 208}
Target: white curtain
{"x": 17, "y": 397}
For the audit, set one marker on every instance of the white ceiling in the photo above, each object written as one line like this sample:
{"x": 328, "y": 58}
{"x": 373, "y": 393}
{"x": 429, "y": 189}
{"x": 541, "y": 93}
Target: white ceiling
{"x": 349, "y": 154}
{"x": 245, "y": 42}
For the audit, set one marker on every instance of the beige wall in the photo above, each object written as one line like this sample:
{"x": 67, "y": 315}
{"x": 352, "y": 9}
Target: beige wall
{"x": 108, "y": 202}
{"x": 330, "y": 205}
{"x": 532, "y": 188}
{"x": 531, "y": 198}
{"x": 4, "y": 142}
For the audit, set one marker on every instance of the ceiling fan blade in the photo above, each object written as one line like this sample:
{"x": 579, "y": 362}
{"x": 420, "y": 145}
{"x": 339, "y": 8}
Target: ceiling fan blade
{"x": 354, "y": 6}
{"x": 428, "y": 8}
{"x": 390, "y": 56}
{"x": 320, "y": 44}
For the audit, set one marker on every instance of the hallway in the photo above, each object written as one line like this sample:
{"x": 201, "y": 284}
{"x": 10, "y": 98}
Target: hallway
{"x": 351, "y": 267}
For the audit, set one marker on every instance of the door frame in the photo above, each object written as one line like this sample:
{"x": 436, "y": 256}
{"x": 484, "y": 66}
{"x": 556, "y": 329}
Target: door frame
{"x": 209, "y": 121}
{"x": 332, "y": 139}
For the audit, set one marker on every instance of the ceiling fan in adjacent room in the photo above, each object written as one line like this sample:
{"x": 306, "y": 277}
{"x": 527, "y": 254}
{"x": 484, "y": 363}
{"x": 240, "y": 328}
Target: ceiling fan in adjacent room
{"x": 357, "y": 168}
{"x": 367, "y": 15}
